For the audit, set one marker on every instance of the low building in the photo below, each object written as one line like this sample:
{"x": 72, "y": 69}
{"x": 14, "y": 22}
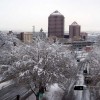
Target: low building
{"x": 26, "y": 37}
{"x": 88, "y": 48}
{"x": 81, "y": 44}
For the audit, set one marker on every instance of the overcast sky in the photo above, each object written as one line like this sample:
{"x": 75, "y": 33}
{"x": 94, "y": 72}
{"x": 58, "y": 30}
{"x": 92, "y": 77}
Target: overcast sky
{"x": 23, "y": 14}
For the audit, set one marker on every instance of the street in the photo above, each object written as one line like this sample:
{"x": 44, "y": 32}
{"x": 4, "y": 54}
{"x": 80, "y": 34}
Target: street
{"x": 10, "y": 92}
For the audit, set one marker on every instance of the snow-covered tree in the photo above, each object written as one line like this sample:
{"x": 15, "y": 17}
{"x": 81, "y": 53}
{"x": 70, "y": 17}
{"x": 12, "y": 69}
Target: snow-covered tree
{"x": 92, "y": 62}
{"x": 40, "y": 63}
{"x": 7, "y": 45}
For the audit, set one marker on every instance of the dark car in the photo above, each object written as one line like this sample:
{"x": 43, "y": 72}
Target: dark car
{"x": 79, "y": 87}
{"x": 85, "y": 71}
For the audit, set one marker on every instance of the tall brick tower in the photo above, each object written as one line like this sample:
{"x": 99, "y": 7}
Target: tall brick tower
{"x": 56, "y": 25}
{"x": 74, "y": 30}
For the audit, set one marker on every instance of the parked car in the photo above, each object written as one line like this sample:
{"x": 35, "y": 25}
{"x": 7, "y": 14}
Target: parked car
{"x": 85, "y": 71}
{"x": 79, "y": 87}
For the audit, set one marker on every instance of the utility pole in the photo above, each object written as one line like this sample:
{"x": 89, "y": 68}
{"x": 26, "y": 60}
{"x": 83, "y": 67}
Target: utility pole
{"x": 33, "y": 29}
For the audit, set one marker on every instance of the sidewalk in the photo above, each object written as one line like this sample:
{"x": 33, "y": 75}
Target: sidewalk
{"x": 31, "y": 97}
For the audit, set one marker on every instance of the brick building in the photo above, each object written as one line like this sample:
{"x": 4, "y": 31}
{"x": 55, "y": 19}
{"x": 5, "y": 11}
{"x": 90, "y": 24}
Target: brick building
{"x": 26, "y": 37}
{"x": 74, "y": 31}
{"x": 56, "y": 25}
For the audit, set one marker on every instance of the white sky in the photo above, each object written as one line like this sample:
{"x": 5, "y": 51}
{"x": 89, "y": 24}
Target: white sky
{"x": 23, "y": 14}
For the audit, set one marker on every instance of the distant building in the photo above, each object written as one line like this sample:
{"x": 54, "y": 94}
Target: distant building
{"x": 81, "y": 44}
{"x": 88, "y": 48}
{"x": 84, "y": 35}
{"x": 26, "y": 37}
{"x": 74, "y": 31}
{"x": 10, "y": 32}
{"x": 56, "y": 25}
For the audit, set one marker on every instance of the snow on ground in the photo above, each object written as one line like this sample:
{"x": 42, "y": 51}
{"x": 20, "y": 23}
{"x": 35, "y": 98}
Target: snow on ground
{"x": 54, "y": 93}
{"x": 5, "y": 84}
{"x": 31, "y": 97}
{"x": 81, "y": 94}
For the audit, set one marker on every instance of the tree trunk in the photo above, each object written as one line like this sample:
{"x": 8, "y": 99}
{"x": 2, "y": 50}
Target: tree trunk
{"x": 36, "y": 94}
{"x": 37, "y": 98}
{"x": 42, "y": 89}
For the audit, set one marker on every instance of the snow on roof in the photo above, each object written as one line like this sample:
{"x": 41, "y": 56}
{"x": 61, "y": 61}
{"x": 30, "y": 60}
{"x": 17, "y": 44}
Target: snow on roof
{"x": 28, "y": 33}
{"x": 74, "y": 23}
{"x": 56, "y": 13}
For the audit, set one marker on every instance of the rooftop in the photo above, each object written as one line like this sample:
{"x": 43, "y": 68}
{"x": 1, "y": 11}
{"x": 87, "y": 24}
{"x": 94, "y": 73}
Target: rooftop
{"x": 74, "y": 23}
{"x": 56, "y": 13}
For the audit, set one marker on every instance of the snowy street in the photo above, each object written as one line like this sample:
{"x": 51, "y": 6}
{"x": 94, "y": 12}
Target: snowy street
{"x": 5, "y": 84}
{"x": 11, "y": 91}
{"x": 31, "y": 97}
{"x": 82, "y": 94}
{"x": 78, "y": 94}
{"x": 55, "y": 93}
